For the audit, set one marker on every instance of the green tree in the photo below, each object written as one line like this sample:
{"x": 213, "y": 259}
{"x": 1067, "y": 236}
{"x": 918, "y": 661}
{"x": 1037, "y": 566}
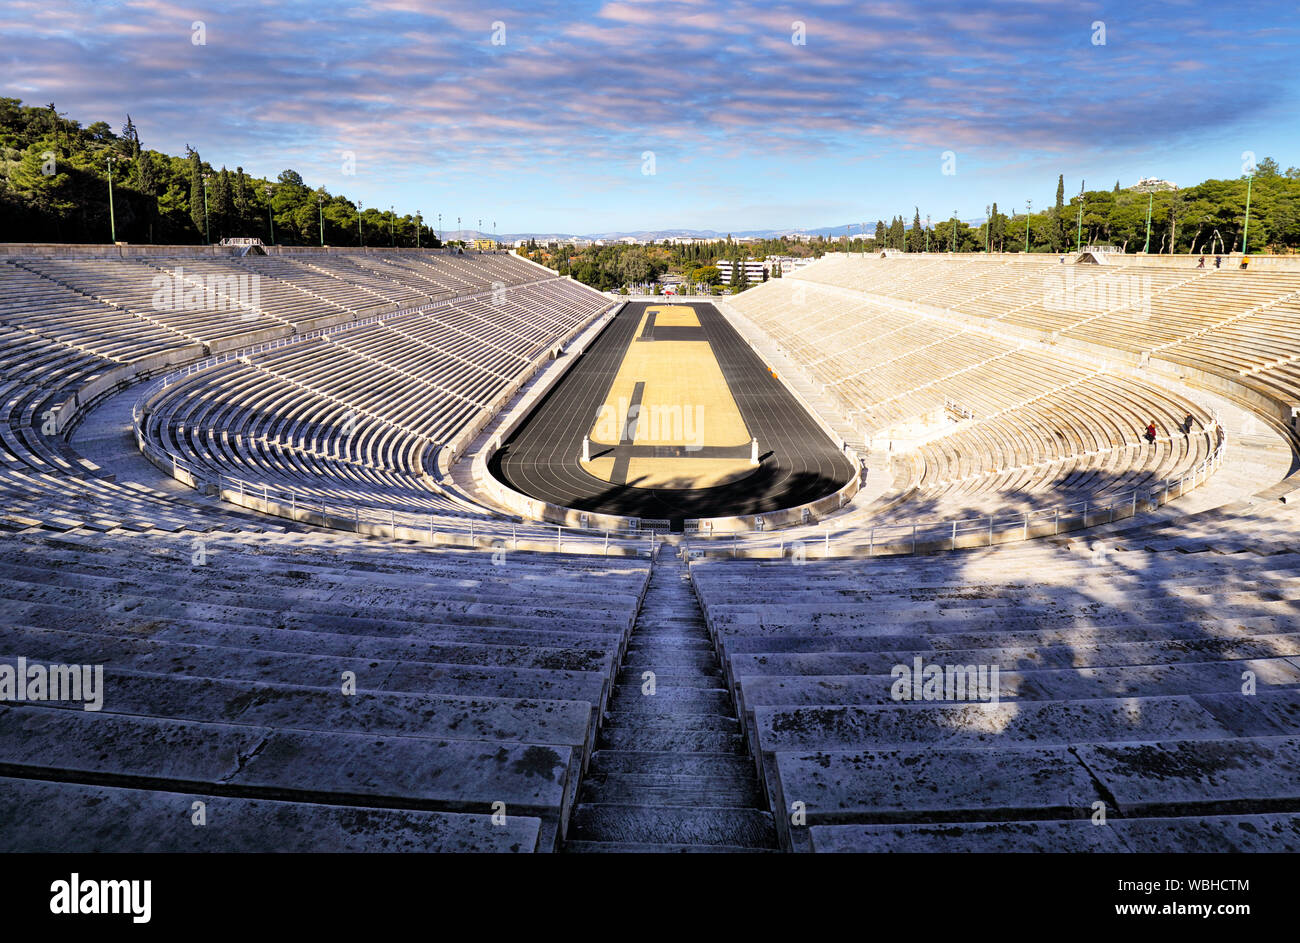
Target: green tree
{"x": 196, "y": 190}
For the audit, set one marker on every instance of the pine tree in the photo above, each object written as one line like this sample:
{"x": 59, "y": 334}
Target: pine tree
{"x": 131, "y": 139}
{"x": 221, "y": 204}
{"x": 241, "y": 205}
{"x": 918, "y": 237}
{"x": 1117, "y": 186}
{"x": 196, "y": 190}
{"x": 1058, "y": 228}
{"x": 880, "y": 234}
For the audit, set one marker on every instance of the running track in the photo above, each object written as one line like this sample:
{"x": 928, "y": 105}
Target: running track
{"x": 798, "y": 462}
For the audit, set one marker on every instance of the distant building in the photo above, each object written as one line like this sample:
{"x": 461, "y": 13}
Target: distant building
{"x": 1153, "y": 184}
{"x": 483, "y": 243}
{"x": 785, "y": 263}
{"x": 754, "y": 270}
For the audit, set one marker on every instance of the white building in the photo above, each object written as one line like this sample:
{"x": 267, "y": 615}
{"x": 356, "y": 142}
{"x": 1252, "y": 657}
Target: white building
{"x": 753, "y": 270}
{"x": 1149, "y": 184}
{"x": 786, "y": 263}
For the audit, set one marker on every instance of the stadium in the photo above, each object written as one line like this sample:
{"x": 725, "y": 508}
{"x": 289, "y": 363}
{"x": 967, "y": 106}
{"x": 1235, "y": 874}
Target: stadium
{"x": 342, "y": 560}
{"x": 328, "y": 529}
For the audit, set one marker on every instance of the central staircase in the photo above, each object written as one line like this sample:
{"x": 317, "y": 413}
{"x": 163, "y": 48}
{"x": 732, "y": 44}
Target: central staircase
{"x": 671, "y": 772}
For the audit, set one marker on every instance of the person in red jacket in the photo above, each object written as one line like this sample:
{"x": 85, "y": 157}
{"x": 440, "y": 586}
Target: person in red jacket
{"x": 1151, "y": 431}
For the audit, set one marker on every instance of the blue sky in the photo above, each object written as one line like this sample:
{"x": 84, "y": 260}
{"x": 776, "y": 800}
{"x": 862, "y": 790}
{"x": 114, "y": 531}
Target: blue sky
{"x": 538, "y": 115}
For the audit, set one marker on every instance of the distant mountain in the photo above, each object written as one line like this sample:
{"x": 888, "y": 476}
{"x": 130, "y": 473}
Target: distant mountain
{"x": 658, "y": 235}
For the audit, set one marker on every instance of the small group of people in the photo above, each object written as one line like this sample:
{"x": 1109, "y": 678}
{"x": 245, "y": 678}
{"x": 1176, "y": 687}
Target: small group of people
{"x": 1150, "y": 434}
{"x": 1218, "y": 262}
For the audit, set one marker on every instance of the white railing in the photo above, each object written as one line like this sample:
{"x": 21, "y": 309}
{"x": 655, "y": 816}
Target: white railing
{"x": 444, "y": 529}
{"x": 908, "y": 537}
{"x": 465, "y": 530}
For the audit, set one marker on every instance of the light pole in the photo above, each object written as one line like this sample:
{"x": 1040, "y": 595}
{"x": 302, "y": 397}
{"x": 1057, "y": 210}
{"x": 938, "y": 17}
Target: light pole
{"x": 320, "y": 207}
{"x": 1245, "y": 230}
{"x": 954, "y": 232}
{"x": 1029, "y": 210}
{"x": 361, "y": 238}
{"x": 460, "y": 235}
{"x": 269, "y": 218}
{"x": 207, "y": 230}
{"x": 112, "y": 217}
{"x": 927, "y": 232}
{"x": 1078, "y": 236}
{"x": 392, "y": 225}
{"x": 1151, "y": 195}
{"x": 418, "y": 223}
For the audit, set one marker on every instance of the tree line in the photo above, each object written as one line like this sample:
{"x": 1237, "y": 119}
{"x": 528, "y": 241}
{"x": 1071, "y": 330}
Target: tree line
{"x": 614, "y": 266}
{"x": 54, "y": 187}
{"x": 1207, "y": 218}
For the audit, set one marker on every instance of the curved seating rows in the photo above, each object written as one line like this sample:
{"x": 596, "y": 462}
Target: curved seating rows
{"x": 1120, "y": 683}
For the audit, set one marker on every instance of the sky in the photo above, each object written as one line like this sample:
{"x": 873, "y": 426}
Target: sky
{"x": 574, "y": 117}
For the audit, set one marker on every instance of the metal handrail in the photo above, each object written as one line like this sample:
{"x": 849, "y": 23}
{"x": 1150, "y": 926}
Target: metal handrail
{"x": 451, "y": 526}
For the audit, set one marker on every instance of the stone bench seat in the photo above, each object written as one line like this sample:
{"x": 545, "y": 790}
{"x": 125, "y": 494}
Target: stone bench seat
{"x": 60, "y": 816}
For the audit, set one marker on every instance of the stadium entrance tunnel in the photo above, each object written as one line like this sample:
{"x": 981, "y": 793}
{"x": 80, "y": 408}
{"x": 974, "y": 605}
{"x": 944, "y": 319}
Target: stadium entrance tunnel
{"x": 670, "y": 415}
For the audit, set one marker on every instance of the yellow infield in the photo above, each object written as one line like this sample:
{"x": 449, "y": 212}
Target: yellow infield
{"x": 673, "y": 315}
{"x": 685, "y": 401}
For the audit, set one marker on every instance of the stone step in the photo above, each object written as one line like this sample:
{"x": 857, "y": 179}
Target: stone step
{"x": 1054, "y": 684}
{"x": 1051, "y": 722}
{"x": 220, "y": 588}
{"x": 644, "y": 848}
{"x": 57, "y": 611}
{"x": 607, "y": 762}
{"x": 1267, "y": 832}
{"x": 938, "y": 785}
{"x": 635, "y": 720}
{"x": 672, "y": 791}
{"x": 323, "y": 618}
{"x": 644, "y": 647}
{"x": 42, "y": 816}
{"x": 281, "y": 706}
{"x": 412, "y": 677}
{"x": 701, "y": 658}
{"x": 675, "y": 701}
{"x": 1081, "y": 655}
{"x": 898, "y": 638}
{"x": 700, "y": 678}
{"x": 295, "y": 765}
{"x": 744, "y": 828}
{"x": 671, "y": 740}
